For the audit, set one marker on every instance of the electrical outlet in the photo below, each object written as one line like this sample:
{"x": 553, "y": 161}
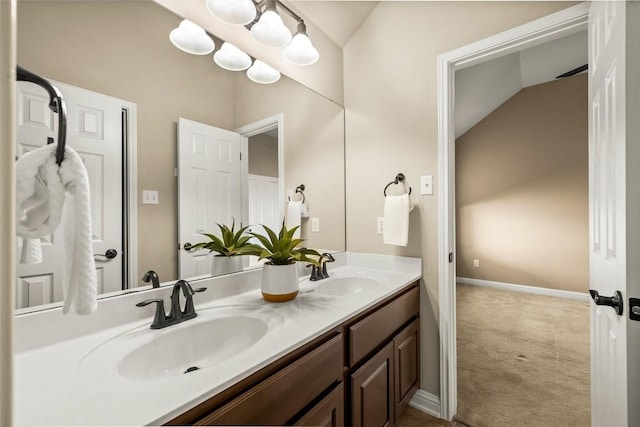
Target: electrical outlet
{"x": 476, "y": 263}
{"x": 315, "y": 225}
{"x": 150, "y": 197}
{"x": 380, "y": 225}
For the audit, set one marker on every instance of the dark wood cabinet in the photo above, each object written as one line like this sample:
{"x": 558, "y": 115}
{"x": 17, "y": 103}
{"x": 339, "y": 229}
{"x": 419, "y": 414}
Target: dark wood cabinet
{"x": 406, "y": 366}
{"x": 329, "y": 412}
{"x": 372, "y": 391}
{"x": 362, "y": 373}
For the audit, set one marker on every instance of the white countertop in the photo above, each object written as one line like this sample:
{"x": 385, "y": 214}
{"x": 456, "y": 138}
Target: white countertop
{"x": 54, "y": 386}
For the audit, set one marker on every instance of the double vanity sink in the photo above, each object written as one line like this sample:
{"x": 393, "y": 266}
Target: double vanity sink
{"x": 129, "y": 374}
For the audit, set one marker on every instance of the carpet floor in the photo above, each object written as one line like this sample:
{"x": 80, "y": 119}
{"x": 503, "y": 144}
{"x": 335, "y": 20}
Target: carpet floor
{"x": 523, "y": 359}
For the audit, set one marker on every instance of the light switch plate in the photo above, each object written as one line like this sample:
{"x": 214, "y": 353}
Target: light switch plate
{"x": 150, "y": 197}
{"x": 426, "y": 185}
{"x": 315, "y": 225}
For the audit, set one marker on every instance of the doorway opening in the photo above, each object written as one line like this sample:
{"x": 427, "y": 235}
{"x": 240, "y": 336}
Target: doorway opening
{"x": 561, "y": 24}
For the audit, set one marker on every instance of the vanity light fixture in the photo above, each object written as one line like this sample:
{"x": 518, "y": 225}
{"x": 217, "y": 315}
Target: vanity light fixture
{"x": 300, "y": 51}
{"x": 236, "y": 12}
{"x": 270, "y": 31}
{"x": 231, "y": 58}
{"x": 191, "y": 38}
{"x": 267, "y": 27}
{"x": 263, "y": 73}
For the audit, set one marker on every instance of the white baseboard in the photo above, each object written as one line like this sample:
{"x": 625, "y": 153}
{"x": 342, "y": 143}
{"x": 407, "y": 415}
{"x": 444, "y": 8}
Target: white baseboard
{"x": 583, "y": 296}
{"x": 426, "y": 402}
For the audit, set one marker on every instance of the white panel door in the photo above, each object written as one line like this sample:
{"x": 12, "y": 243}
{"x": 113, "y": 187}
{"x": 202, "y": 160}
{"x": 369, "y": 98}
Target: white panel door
{"x": 209, "y": 190}
{"x": 264, "y": 207}
{"x": 94, "y": 130}
{"x": 613, "y": 375}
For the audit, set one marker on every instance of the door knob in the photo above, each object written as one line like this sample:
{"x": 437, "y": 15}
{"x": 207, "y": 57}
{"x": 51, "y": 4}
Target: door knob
{"x": 187, "y": 247}
{"x": 109, "y": 254}
{"x": 615, "y": 301}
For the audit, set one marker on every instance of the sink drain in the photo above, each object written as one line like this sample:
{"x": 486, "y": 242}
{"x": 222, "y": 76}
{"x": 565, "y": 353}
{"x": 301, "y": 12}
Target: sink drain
{"x": 191, "y": 369}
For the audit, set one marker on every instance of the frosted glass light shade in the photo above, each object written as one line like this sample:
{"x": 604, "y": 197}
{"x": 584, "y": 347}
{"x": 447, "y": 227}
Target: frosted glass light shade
{"x": 191, "y": 38}
{"x": 231, "y": 58}
{"x": 300, "y": 51}
{"x": 270, "y": 31}
{"x": 263, "y": 73}
{"x": 237, "y": 12}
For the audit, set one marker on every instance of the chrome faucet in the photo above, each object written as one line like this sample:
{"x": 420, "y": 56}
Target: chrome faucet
{"x": 151, "y": 276}
{"x": 176, "y": 314}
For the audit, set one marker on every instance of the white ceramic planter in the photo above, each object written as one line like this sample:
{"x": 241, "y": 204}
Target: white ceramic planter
{"x": 225, "y": 265}
{"x": 279, "y": 282}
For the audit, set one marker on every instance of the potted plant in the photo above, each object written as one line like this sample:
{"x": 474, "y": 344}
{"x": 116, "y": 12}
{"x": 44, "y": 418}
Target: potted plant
{"x": 229, "y": 247}
{"x": 279, "y": 274}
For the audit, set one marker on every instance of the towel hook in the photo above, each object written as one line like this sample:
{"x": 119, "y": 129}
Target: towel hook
{"x": 300, "y": 189}
{"x": 398, "y": 180}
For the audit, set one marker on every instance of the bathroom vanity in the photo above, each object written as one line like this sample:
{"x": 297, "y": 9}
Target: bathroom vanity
{"x": 345, "y": 351}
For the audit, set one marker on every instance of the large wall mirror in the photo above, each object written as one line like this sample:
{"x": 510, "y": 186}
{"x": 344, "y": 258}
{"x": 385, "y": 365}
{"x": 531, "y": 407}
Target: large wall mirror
{"x": 120, "y": 52}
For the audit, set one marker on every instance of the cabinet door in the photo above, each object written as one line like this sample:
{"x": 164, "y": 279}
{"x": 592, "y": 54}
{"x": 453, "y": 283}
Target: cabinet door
{"x": 406, "y": 365}
{"x": 372, "y": 391}
{"x": 329, "y": 412}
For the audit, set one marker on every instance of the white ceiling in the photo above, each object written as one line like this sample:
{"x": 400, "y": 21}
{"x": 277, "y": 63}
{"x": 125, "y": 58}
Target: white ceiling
{"x": 484, "y": 87}
{"x": 338, "y": 19}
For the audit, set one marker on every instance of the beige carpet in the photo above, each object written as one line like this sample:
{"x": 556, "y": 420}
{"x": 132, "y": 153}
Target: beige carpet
{"x": 415, "y": 418}
{"x": 523, "y": 360}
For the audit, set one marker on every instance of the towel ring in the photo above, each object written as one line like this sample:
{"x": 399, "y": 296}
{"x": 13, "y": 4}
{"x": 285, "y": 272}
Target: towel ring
{"x": 300, "y": 189}
{"x": 398, "y": 180}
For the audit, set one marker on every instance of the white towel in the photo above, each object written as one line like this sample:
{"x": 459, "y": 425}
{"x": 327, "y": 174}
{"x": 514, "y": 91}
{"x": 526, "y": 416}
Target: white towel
{"x": 40, "y": 198}
{"x": 31, "y": 251}
{"x": 396, "y": 219}
{"x": 294, "y": 213}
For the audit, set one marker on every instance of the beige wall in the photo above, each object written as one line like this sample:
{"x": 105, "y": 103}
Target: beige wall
{"x": 314, "y": 150}
{"x": 390, "y": 79}
{"x": 263, "y": 155}
{"x": 76, "y": 43}
{"x": 522, "y": 193}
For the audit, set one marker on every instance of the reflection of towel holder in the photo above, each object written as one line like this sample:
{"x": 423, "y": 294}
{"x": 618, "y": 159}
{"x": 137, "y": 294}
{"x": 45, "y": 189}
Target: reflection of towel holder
{"x": 299, "y": 189}
{"x": 56, "y": 104}
{"x": 399, "y": 179}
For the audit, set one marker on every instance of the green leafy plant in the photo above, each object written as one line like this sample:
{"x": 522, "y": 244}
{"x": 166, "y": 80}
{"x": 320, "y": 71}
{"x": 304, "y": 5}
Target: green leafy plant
{"x": 281, "y": 248}
{"x": 232, "y": 243}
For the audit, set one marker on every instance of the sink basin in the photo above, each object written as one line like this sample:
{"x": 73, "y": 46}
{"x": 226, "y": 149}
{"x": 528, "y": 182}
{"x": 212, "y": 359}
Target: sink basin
{"x": 215, "y": 336}
{"x": 186, "y": 350}
{"x": 344, "y": 286}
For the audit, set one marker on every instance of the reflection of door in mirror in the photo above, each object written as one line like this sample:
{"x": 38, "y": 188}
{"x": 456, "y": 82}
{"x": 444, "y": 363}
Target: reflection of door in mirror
{"x": 209, "y": 190}
{"x": 96, "y": 125}
{"x": 263, "y": 182}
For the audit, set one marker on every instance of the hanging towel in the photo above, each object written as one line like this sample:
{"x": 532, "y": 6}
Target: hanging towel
{"x": 396, "y": 219}
{"x": 294, "y": 213}
{"x": 31, "y": 251}
{"x": 40, "y": 199}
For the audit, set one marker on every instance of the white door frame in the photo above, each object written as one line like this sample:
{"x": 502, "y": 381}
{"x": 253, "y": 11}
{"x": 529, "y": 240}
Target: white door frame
{"x": 548, "y": 28}
{"x": 255, "y": 128}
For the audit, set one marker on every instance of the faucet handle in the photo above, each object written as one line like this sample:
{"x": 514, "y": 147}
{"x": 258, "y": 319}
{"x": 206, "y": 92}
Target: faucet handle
{"x": 329, "y": 257}
{"x": 160, "y": 318}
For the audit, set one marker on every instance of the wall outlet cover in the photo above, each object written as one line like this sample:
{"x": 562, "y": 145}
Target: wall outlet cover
{"x": 150, "y": 197}
{"x": 380, "y": 225}
{"x": 315, "y": 225}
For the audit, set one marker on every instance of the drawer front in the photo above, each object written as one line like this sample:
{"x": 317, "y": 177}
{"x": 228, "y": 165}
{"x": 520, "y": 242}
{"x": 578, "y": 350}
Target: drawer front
{"x": 376, "y": 328}
{"x": 329, "y": 412}
{"x": 277, "y": 399}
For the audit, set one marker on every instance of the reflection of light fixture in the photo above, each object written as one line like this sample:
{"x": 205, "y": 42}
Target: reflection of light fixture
{"x": 270, "y": 30}
{"x": 191, "y": 38}
{"x": 237, "y": 12}
{"x": 300, "y": 51}
{"x": 262, "y": 73}
{"x": 231, "y": 58}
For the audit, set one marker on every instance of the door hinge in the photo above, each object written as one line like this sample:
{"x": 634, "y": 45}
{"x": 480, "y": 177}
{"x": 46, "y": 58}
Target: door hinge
{"x": 240, "y": 156}
{"x": 450, "y": 256}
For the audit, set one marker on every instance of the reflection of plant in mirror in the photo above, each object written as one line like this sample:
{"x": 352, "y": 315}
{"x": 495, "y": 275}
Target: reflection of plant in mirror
{"x": 232, "y": 243}
{"x": 281, "y": 249}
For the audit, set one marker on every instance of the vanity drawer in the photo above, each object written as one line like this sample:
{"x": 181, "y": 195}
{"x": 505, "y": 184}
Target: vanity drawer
{"x": 376, "y": 328}
{"x": 280, "y": 397}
